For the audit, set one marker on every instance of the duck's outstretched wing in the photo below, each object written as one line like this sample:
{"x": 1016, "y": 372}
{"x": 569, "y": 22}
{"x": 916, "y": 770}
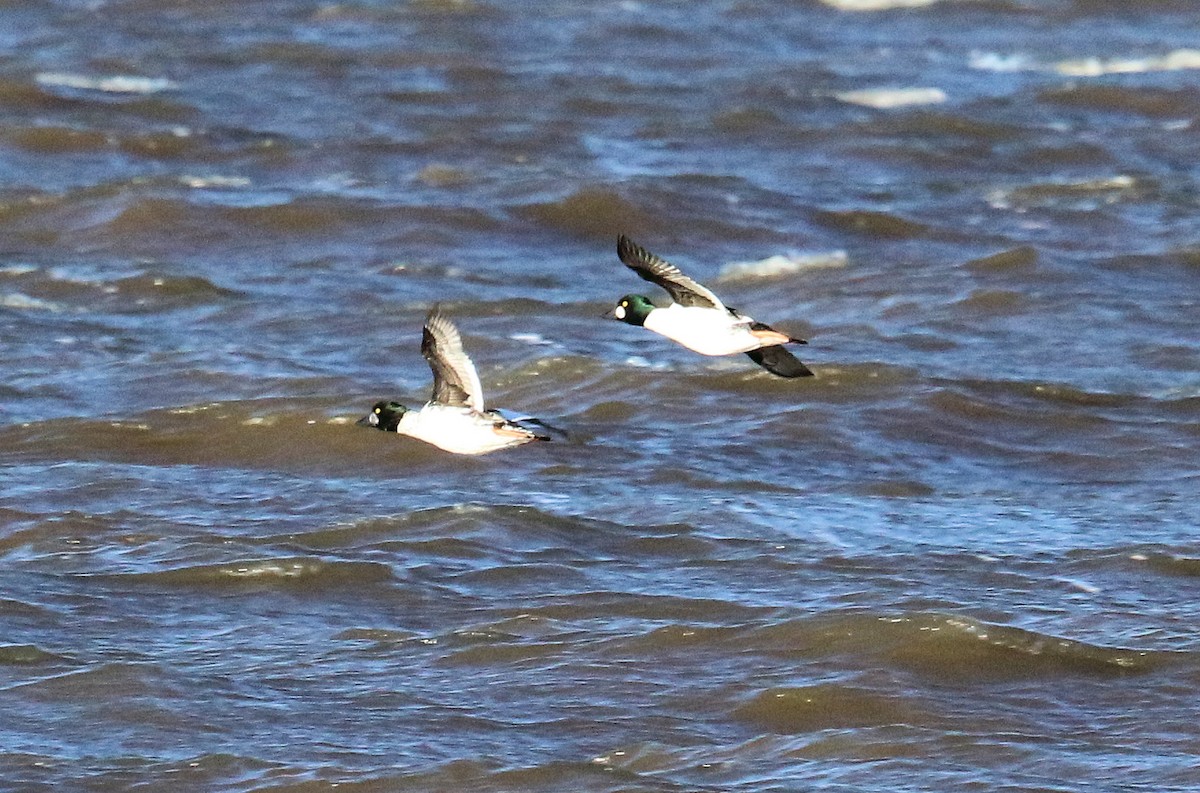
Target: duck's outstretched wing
{"x": 455, "y": 381}
{"x": 778, "y": 361}
{"x": 683, "y": 290}
{"x": 541, "y": 430}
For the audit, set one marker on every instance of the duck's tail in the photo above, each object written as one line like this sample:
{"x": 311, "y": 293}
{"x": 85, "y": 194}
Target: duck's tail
{"x": 767, "y": 333}
{"x": 531, "y": 425}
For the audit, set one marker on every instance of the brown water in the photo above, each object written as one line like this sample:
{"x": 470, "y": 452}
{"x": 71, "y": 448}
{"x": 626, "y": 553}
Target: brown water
{"x": 963, "y": 557}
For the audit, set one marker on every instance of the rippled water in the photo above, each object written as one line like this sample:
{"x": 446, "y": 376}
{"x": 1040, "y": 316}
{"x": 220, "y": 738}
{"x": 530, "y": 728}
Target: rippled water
{"x": 963, "y": 557}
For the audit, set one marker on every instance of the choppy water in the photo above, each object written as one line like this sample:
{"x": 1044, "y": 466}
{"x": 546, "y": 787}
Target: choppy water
{"x": 963, "y": 557}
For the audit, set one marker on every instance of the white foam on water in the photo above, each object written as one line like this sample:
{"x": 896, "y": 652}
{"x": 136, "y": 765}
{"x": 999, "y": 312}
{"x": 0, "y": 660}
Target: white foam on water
{"x": 264, "y": 569}
{"x": 887, "y": 98}
{"x": 1108, "y": 190}
{"x": 115, "y": 84}
{"x": 1086, "y": 587}
{"x": 876, "y": 5}
{"x": 18, "y": 300}
{"x": 782, "y": 264}
{"x": 639, "y": 362}
{"x": 1096, "y": 67}
{"x": 202, "y": 182}
{"x": 535, "y": 339}
{"x": 995, "y": 62}
{"x": 1176, "y": 60}
{"x": 18, "y": 269}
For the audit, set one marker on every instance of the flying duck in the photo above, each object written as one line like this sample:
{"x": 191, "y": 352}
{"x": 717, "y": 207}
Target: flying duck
{"x": 697, "y": 319}
{"x": 454, "y": 418}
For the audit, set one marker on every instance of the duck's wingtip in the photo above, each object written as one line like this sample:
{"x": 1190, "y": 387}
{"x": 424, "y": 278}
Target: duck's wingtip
{"x": 778, "y": 361}
{"x": 627, "y": 249}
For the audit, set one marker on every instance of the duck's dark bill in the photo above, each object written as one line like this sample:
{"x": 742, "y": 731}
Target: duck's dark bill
{"x": 369, "y": 420}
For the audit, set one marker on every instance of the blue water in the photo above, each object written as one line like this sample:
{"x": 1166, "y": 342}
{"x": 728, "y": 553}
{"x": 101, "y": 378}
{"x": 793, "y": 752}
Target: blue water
{"x": 962, "y": 556}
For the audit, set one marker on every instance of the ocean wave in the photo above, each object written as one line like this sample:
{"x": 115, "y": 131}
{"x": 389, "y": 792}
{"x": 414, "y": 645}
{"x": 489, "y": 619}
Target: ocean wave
{"x": 956, "y": 647}
{"x": 872, "y": 223}
{"x": 676, "y": 636}
{"x": 62, "y": 289}
{"x": 492, "y": 775}
{"x": 1018, "y": 258}
{"x": 505, "y": 653}
{"x": 22, "y": 302}
{"x": 1037, "y": 393}
{"x": 286, "y": 434}
{"x": 591, "y": 212}
{"x": 981, "y": 302}
{"x": 495, "y": 548}
{"x": 1174, "y": 108}
{"x": 26, "y": 655}
{"x": 377, "y": 636}
{"x": 889, "y": 98}
{"x": 444, "y": 176}
{"x": 115, "y": 84}
{"x": 1093, "y": 66}
{"x": 415, "y": 525}
{"x": 878, "y": 5}
{"x": 1082, "y": 194}
{"x": 782, "y": 264}
{"x": 822, "y": 707}
{"x": 307, "y": 572}
{"x": 214, "y": 182}
{"x": 53, "y": 139}
{"x": 1175, "y": 564}
{"x": 57, "y": 139}
{"x": 518, "y": 575}
{"x": 835, "y": 382}
{"x": 1003, "y": 426}
{"x": 96, "y": 682}
{"x": 167, "y": 217}
{"x": 738, "y": 764}
{"x": 962, "y": 646}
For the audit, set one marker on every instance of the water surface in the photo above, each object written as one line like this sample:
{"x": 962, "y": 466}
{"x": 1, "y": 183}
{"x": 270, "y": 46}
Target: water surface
{"x": 962, "y": 557}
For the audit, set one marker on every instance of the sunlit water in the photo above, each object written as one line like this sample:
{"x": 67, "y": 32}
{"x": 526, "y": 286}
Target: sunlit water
{"x": 963, "y": 557}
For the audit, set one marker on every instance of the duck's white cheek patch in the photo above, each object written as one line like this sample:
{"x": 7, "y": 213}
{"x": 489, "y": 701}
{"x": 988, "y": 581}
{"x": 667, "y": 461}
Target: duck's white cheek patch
{"x": 619, "y": 312}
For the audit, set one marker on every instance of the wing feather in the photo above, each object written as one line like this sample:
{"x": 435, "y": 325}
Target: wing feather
{"x": 683, "y": 290}
{"x": 455, "y": 381}
{"x": 776, "y": 360}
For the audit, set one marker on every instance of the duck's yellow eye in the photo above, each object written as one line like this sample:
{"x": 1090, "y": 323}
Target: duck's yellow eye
{"x": 624, "y": 304}
{"x": 377, "y": 411}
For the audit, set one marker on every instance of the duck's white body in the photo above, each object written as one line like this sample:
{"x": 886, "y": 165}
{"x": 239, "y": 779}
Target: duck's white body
{"x": 461, "y": 430}
{"x": 454, "y": 418}
{"x": 709, "y": 331}
{"x": 697, "y": 319}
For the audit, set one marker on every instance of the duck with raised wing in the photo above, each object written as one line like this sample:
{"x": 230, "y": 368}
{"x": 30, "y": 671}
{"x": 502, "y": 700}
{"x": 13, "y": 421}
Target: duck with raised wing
{"x": 697, "y": 319}
{"x": 454, "y": 418}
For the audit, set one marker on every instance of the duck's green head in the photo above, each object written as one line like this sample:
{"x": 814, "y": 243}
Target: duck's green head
{"x": 384, "y": 416}
{"x": 633, "y": 309}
